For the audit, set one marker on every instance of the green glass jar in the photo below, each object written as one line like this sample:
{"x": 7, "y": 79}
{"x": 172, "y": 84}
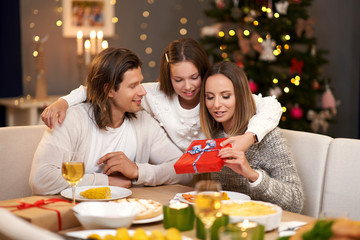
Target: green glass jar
{"x": 219, "y": 222}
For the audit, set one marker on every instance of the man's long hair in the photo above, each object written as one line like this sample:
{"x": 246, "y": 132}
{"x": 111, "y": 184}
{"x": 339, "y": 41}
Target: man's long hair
{"x": 106, "y": 73}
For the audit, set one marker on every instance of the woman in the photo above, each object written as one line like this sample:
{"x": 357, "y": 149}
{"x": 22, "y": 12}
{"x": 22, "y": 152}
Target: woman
{"x": 267, "y": 170}
{"x": 174, "y": 100}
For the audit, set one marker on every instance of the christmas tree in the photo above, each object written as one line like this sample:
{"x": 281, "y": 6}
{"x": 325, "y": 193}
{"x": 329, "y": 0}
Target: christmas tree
{"x": 273, "y": 41}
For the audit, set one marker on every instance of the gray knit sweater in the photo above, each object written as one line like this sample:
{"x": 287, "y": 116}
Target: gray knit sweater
{"x": 280, "y": 185}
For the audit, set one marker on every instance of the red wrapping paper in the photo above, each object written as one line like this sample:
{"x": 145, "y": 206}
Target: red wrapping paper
{"x": 201, "y": 159}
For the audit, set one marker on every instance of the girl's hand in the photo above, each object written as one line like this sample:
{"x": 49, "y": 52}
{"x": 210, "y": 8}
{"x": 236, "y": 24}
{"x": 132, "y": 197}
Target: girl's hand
{"x": 237, "y": 161}
{"x": 56, "y": 110}
{"x": 240, "y": 142}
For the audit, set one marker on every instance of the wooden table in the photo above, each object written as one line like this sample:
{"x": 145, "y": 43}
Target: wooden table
{"x": 164, "y": 194}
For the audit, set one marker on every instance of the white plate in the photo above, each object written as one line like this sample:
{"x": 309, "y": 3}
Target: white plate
{"x": 270, "y": 221}
{"x": 231, "y": 195}
{"x": 103, "y": 232}
{"x": 116, "y": 193}
{"x": 149, "y": 220}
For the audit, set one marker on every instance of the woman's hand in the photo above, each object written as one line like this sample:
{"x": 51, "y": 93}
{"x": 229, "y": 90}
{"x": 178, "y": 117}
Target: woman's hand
{"x": 56, "y": 110}
{"x": 237, "y": 161}
{"x": 240, "y": 142}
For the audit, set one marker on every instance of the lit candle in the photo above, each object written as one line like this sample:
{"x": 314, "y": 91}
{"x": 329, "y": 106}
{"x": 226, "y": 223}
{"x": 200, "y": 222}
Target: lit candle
{"x": 100, "y": 36}
{"x": 87, "y": 52}
{"x": 104, "y": 44}
{"x": 245, "y": 230}
{"x": 93, "y": 42}
{"x": 179, "y": 215}
{"x": 79, "y": 41}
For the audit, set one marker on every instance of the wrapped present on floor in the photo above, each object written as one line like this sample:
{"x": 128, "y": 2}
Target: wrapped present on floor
{"x": 54, "y": 214}
{"x": 201, "y": 156}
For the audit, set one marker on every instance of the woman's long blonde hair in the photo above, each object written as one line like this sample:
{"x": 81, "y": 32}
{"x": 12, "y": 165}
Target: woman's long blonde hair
{"x": 245, "y": 106}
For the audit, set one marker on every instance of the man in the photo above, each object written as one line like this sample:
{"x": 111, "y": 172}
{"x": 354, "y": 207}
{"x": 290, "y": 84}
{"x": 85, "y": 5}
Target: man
{"x": 121, "y": 143}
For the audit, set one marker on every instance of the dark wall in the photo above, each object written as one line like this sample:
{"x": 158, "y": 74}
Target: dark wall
{"x": 10, "y": 53}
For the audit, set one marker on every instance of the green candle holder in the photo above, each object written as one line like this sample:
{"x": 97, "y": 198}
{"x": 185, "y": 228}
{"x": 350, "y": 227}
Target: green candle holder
{"x": 180, "y": 216}
{"x": 236, "y": 232}
{"x": 219, "y": 222}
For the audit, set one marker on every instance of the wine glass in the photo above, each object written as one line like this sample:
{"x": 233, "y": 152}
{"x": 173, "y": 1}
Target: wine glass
{"x": 208, "y": 203}
{"x": 73, "y": 170}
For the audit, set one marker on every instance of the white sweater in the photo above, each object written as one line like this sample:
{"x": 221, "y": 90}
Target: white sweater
{"x": 182, "y": 125}
{"x": 150, "y": 149}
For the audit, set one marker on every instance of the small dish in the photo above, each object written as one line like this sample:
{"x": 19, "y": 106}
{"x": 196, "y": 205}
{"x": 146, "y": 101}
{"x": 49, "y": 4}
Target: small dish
{"x": 95, "y": 215}
{"x": 116, "y": 193}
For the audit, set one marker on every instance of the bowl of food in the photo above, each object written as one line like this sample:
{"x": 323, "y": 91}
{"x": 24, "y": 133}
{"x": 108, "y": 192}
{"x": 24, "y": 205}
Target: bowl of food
{"x": 97, "y": 215}
{"x": 264, "y": 213}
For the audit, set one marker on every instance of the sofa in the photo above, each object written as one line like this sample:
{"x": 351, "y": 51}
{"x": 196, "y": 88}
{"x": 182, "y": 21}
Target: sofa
{"x": 328, "y": 167}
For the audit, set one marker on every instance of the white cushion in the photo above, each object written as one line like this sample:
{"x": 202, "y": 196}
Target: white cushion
{"x": 342, "y": 178}
{"x": 17, "y": 148}
{"x": 310, "y": 153}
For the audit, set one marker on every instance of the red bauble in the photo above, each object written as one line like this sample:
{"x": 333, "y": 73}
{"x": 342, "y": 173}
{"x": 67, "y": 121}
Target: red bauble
{"x": 253, "y": 86}
{"x": 296, "y": 112}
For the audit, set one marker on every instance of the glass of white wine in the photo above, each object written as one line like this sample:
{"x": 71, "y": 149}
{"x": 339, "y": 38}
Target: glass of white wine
{"x": 73, "y": 170}
{"x": 208, "y": 203}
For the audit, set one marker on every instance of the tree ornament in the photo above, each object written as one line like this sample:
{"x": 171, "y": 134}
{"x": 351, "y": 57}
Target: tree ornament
{"x": 246, "y": 44}
{"x": 212, "y": 30}
{"x": 220, "y": 4}
{"x": 319, "y": 120}
{"x": 296, "y": 112}
{"x": 253, "y": 86}
{"x": 276, "y": 91}
{"x": 281, "y": 7}
{"x": 315, "y": 84}
{"x": 328, "y": 100}
{"x": 296, "y": 66}
{"x": 268, "y": 47}
{"x": 305, "y": 25}
{"x": 235, "y": 11}
{"x": 270, "y": 13}
{"x": 313, "y": 50}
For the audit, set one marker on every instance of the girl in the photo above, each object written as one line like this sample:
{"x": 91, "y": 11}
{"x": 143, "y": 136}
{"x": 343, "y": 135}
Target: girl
{"x": 174, "y": 100}
{"x": 267, "y": 170}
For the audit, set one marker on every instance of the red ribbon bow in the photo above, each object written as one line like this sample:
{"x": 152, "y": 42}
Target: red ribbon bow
{"x": 296, "y": 66}
{"x": 39, "y": 204}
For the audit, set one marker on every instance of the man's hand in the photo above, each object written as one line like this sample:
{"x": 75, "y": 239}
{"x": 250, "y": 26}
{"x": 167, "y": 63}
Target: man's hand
{"x": 119, "y": 162}
{"x": 56, "y": 110}
{"x": 119, "y": 180}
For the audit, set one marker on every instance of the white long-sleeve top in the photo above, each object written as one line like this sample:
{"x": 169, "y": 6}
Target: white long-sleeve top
{"x": 141, "y": 139}
{"x": 182, "y": 125}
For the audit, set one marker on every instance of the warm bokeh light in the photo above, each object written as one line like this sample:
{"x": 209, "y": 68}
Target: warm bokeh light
{"x": 256, "y": 23}
{"x": 148, "y": 50}
{"x": 260, "y": 39}
{"x": 232, "y": 33}
{"x": 286, "y": 90}
{"x": 87, "y": 44}
{"x": 287, "y": 37}
{"x": 246, "y": 32}
{"x": 35, "y": 53}
{"x": 36, "y": 38}
{"x": 286, "y": 46}
{"x": 58, "y": 23}
{"x": 264, "y": 9}
{"x": 32, "y": 25}
{"x": 221, "y": 34}
{"x": 275, "y": 80}
{"x": 276, "y": 15}
{"x": 284, "y": 109}
{"x": 143, "y": 36}
{"x": 222, "y": 47}
{"x": 183, "y": 31}
{"x": 112, "y": 2}
{"x": 183, "y": 20}
{"x": 146, "y": 14}
{"x": 224, "y": 55}
{"x": 152, "y": 64}
{"x": 114, "y": 20}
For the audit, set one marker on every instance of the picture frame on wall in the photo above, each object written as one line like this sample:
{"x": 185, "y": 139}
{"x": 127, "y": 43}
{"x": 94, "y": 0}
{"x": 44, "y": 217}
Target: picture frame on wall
{"x": 87, "y": 15}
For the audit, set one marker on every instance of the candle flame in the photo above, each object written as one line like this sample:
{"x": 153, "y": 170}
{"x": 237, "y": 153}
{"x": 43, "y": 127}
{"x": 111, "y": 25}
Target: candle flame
{"x": 87, "y": 44}
{"x": 100, "y": 34}
{"x": 79, "y": 34}
{"x": 92, "y": 34}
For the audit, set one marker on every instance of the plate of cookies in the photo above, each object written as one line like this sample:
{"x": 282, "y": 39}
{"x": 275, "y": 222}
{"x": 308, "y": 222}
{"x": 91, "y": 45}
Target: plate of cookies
{"x": 149, "y": 210}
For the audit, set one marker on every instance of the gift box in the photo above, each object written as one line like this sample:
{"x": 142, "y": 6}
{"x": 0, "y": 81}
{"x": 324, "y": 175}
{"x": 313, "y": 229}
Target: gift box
{"x": 201, "y": 156}
{"x": 54, "y": 214}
